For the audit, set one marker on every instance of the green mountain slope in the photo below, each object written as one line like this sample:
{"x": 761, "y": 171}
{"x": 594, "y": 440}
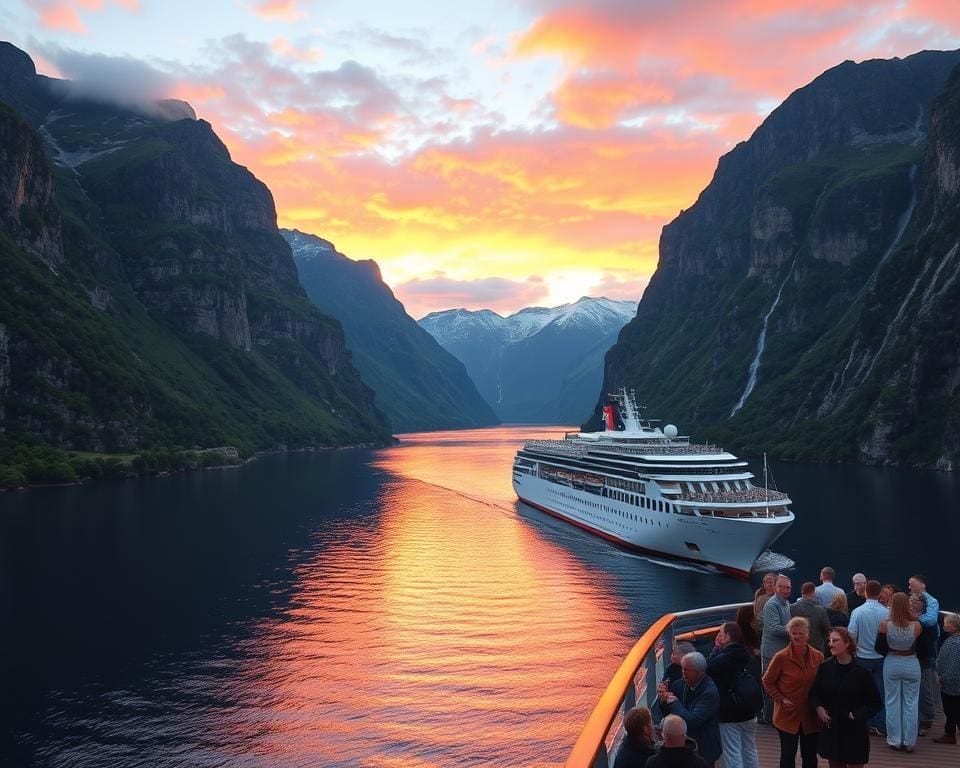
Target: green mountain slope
{"x": 148, "y": 299}
{"x": 807, "y": 243}
{"x": 419, "y": 385}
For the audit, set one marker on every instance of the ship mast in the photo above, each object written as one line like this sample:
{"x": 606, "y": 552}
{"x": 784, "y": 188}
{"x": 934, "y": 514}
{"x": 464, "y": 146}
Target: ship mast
{"x": 766, "y": 487}
{"x": 629, "y": 412}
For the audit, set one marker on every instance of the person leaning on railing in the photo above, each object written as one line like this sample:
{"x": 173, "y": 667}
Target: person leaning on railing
{"x": 638, "y": 741}
{"x": 694, "y": 698}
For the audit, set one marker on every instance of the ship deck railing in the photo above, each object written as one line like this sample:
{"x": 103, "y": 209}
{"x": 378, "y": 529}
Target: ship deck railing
{"x": 573, "y": 448}
{"x": 752, "y": 496}
{"x": 635, "y": 683}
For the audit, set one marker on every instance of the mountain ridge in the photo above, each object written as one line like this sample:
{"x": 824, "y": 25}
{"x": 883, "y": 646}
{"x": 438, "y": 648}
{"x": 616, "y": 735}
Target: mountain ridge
{"x": 149, "y": 301}
{"x": 419, "y": 385}
{"x": 539, "y": 364}
{"x": 767, "y": 298}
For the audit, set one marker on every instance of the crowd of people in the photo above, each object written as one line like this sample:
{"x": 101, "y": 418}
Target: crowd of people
{"x": 827, "y": 670}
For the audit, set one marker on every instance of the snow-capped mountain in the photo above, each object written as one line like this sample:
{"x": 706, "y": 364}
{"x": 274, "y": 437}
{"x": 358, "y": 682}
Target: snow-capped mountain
{"x": 538, "y": 365}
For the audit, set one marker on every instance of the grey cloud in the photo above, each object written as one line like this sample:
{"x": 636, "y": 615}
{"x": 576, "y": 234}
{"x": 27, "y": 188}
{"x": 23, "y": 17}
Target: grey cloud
{"x": 127, "y": 82}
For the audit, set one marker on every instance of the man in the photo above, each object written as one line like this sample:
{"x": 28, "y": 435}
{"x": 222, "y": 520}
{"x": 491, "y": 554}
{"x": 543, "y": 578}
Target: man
{"x": 827, "y": 588}
{"x": 695, "y": 699}
{"x": 815, "y": 614}
{"x": 738, "y": 719}
{"x": 677, "y": 751}
{"x": 864, "y": 623}
{"x": 760, "y": 599}
{"x": 638, "y": 742}
{"x": 855, "y": 597}
{"x": 917, "y": 584}
{"x": 776, "y": 614}
{"x": 680, "y": 649}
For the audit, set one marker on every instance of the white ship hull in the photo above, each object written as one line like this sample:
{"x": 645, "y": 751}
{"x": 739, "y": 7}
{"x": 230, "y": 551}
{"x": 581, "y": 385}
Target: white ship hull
{"x": 731, "y": 544}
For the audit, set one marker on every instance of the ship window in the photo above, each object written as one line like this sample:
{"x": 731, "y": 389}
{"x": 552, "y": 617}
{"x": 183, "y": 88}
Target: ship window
{"x": 691, "y": 546}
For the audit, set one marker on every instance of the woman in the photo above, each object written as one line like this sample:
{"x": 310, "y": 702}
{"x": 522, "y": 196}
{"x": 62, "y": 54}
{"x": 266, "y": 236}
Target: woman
{"x": 837, "y": 611}
{"x": 901, "y": 673}
{"x": 749, "y": 636}
{"x": 948, "y": 668}
{"x": 637, "y": 746}
{"x": 738, "y": 716}
{"x": 844, "y": 698}
{"x": 788, "y": 681}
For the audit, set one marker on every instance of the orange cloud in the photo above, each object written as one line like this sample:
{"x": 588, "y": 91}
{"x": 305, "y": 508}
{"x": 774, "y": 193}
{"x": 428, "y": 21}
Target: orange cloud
{"x": 60, "y": 16}
{"x": 64, "y": 14}
{"x": 446, "y": 193}
{"x": 279, "y": 10}
{"x": 598, "y": 102}
{"x": 284, "y": 47}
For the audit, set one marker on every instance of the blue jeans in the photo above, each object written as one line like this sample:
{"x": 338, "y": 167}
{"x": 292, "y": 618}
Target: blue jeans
{"x": 879, "y": 720}
{"x": 739, "y": 742}
{"x": 901, "y": 679}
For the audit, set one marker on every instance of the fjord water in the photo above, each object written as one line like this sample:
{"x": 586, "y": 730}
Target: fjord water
{"x": 392, "y": 607}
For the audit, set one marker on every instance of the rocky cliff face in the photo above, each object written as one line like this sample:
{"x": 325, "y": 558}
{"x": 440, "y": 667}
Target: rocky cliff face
{"x": 28, "y": 211}
{"x": 167, "y": 311}
{"x": 419, "y": 385}
{"x": 764, "y": 324}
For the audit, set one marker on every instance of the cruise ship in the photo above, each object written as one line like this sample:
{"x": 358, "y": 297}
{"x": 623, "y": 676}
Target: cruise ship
{"x": 653, "y": 491}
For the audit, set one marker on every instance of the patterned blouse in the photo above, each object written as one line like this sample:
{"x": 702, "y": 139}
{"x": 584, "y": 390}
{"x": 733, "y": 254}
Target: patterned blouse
{"x": 948, "y": 665}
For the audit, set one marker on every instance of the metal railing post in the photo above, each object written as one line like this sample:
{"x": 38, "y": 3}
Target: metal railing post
{"x": 650, "y": 679}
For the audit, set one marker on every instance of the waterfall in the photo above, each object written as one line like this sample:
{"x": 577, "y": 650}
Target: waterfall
{"x": 761, "y": 343}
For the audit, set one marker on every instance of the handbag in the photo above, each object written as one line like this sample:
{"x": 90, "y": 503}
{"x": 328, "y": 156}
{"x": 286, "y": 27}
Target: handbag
{"x": 881, "y": 645}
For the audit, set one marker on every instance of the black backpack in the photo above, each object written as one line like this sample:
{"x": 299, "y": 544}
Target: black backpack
{"x": 746, "y": 694}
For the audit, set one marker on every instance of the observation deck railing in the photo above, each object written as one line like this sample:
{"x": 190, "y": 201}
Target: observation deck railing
{"x": 636, "y": 681}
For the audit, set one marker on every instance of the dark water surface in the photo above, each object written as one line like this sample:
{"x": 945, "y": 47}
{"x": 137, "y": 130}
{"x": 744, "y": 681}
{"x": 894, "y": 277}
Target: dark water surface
{"x": 368, "y": 608}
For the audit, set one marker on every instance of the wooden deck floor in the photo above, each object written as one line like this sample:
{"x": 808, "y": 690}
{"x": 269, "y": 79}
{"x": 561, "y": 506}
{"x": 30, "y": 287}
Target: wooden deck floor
{"x": 926, "y": 755}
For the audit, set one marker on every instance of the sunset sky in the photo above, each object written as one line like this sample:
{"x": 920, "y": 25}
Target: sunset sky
{"x": 485, "y": 154}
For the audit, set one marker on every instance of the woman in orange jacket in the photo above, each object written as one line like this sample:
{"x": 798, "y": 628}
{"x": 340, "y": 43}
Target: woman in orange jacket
{"x": 787, "y": 681}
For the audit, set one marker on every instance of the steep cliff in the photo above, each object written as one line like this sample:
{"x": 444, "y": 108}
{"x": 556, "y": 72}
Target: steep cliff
{"x": 760, "y": 326}
{"x": 419, "y": 384}
{"x": 150, "y": 299}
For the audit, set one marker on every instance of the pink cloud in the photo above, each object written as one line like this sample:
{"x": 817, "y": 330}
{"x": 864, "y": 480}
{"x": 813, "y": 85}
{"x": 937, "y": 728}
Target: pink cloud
{"x": 423, "y": 295}
{"x": 64, "y": 14}
{"x": 621, "y": 55}
{"x": 280, "y": 10}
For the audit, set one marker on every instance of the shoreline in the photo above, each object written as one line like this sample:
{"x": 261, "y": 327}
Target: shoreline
{"x": 132, "y": 474}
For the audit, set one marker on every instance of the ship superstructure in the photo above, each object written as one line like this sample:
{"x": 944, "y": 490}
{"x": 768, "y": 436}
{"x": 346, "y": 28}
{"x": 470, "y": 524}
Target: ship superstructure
{"x": 654, "y": 491}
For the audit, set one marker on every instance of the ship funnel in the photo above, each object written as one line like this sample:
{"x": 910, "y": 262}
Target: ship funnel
{"x": 608, "y": 418}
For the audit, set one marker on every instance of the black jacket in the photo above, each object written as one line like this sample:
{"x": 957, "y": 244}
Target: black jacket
{"x": 845, "y": 740}
{"x": 633, "y": 754}
{"x": 724, "y": 665}
{"x": 678, "y": 757}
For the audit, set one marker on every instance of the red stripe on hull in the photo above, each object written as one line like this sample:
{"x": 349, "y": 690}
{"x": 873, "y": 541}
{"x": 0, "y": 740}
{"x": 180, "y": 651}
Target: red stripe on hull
{"x": 740, "y": 574}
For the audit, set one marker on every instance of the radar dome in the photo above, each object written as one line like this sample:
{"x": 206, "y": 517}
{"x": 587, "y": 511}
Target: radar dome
{"x": 670, "y": 430}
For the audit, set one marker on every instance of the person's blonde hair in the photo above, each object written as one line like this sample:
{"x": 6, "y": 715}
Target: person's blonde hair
{"x": 839, "y": 603}
{"x": 954, "y": 619}
{"x": 900, "y": 610}
{"x": 798, "y": 621}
